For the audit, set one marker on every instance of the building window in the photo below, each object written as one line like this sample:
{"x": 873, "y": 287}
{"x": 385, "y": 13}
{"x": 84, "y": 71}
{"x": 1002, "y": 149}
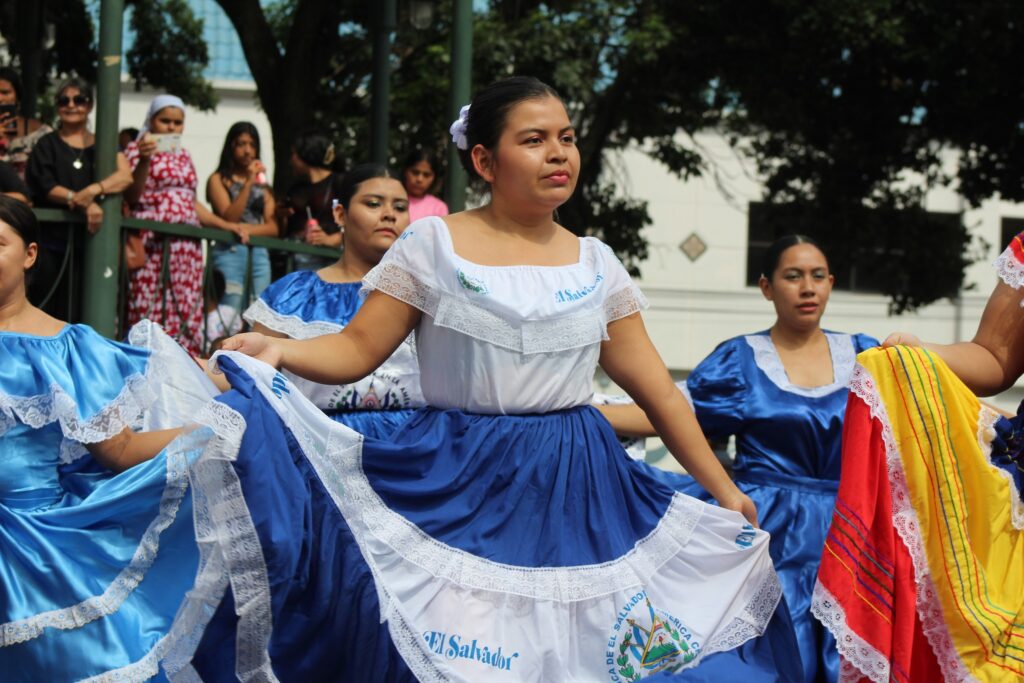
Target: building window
{"x": 862, "y": 269}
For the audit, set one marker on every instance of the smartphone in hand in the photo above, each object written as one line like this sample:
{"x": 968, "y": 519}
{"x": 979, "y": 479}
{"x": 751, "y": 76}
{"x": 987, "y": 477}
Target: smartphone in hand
{"x": 9, "y": 116}
{"x": 167, "y": 142}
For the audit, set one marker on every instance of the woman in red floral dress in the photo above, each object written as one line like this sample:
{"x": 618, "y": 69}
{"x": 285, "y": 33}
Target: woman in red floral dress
{"x": 164, "y": 189}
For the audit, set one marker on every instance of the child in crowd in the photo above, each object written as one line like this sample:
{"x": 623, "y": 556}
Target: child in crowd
{"x": 419, "y": 174}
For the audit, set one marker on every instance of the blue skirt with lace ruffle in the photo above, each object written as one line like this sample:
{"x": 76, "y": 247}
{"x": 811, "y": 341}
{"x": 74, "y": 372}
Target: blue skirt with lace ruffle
{"x": 530, "y": 494}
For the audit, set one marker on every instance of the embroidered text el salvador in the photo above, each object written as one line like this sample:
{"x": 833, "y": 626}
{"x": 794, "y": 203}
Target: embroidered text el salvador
{"x": 565, "y": 295}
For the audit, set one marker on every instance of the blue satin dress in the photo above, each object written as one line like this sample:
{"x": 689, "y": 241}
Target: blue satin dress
{"x": 93, "y": 565}
{"x": 301, "y": 305}
{"x": 501, "y": 533}
{"x": 788, "y": 445}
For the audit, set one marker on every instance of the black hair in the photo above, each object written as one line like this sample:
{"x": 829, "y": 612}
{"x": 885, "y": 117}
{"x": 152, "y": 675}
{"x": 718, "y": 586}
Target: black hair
{"x": 218, "y": 285}
{"x": 770, "y": 260}
{"x": 227, "y": 154}
{"x": 83, "y": 86}
{"x": 19, "y": 216}
{"x": 14, "y": 78}
{"x": 22, "y": 220}
{"x": 416, "y": 156}
{"x": 346, "y": 186}
{"x": 133, "y": 132}
{"x": 489, "y": 110}
{"x": 315, "y": 149}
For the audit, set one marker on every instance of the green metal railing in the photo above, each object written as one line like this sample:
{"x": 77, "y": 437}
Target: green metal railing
{"x": 104, "y": 294}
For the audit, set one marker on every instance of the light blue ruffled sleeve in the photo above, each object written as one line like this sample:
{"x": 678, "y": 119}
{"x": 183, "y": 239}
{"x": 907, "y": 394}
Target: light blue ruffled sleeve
{"x": 92, "y": 386}
{"x": 717, "y": 390}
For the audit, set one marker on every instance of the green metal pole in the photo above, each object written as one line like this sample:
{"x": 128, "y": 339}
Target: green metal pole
{"x": 103, "y": 250}
{"x": 384, "y": 25}
{"x": 462, "y": 78}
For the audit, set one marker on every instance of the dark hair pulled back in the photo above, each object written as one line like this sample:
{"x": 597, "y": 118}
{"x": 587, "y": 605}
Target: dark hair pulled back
{"x": 488, "y": 112}
{"x": 14, "y": 78}
{"x": 346, "y": 186}
{"x": 770, "y": 261}
{"x": 21, "y": 219}
{"x": 315, "y": 149}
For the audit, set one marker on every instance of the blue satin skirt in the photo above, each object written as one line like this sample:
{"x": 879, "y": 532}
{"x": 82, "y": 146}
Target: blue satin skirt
{"x": 92, "y": 582}
{"x": 375, "y": 424}
{"x": 551, "y": 490}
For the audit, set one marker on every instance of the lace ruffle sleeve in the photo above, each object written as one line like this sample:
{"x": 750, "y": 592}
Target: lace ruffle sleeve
{"x": 624, "y": 296}
{"x": 93, "y": 387}
{"x": 1010, "y": 264}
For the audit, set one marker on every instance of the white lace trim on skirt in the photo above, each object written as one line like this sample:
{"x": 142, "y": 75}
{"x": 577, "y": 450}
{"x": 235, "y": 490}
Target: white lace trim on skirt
{"x": 907, "y": 525}
{"x": 421, "y": 580}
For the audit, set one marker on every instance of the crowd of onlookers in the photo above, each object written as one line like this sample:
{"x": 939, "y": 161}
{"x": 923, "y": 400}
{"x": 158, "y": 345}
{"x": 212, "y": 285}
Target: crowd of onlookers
{"x": 55, "y": 167}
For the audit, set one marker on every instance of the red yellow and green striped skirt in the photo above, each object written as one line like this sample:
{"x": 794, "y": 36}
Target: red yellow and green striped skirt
{"x": 922, "y": 576}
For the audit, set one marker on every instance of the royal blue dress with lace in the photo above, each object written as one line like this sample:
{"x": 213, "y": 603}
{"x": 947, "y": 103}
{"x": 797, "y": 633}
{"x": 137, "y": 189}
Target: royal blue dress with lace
{"x": 301, "y": 305}
{"x": 501, "y": 533}
{"x": 788, "y": 445}
{"x": 93, "y": 565}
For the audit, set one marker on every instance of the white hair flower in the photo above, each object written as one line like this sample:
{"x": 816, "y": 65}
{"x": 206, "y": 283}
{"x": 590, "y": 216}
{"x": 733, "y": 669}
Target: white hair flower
{"x": 458, "y": 129}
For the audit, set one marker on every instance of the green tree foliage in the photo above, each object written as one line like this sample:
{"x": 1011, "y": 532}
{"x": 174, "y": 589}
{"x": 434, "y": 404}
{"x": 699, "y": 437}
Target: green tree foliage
{"x": 853, "y": 108}
{"x": 169, "y": 51}
{"x": 849, "y": 108}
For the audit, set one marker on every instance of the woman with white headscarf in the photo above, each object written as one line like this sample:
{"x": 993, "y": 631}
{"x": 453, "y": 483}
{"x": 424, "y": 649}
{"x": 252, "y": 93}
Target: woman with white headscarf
{"x": 164, "y": 189}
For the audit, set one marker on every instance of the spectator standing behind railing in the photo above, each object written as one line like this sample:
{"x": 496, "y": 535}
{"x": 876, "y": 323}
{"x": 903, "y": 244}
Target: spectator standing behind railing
{"x": 61, "y": 174}
{"x": 305, "y": 214}
{"x": 419, "y": 174}
{"x": 164, "y": 189}
{"x": 238, "y": 192}
{"x": 19, "y": 133}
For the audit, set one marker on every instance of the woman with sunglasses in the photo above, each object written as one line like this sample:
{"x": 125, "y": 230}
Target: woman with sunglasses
{"x": 18, "y": 133}
{"x": 61, "y": 174}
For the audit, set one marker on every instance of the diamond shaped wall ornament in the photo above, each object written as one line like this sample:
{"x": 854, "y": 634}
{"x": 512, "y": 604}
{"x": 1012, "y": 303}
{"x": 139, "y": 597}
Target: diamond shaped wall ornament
{"x": 693, "y": 246}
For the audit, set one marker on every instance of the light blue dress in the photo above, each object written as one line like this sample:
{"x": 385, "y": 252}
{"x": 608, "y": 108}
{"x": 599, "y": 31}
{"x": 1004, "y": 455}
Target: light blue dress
{"x": 788, "y": 445}
{"x": 301, "y": 305}
{"x": 93, "y": 565}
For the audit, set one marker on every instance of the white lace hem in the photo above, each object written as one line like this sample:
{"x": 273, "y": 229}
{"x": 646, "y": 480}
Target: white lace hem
{"x": 987, "y": 419}
{"x": 341, "y": 470}
{"x": 907, "y": 525}
{"x": 855, "y": 650}
{"x": 841, "y": 349}
{"x": 337, "y": 463}
{"x": 221, "y": 522}
{"x": 523, "y": 336}
{"x": 128, "y": 579}
{"x": 230, "y": 552}
{"x": 1009, "y": 269}
{"x": 289, "y": 325}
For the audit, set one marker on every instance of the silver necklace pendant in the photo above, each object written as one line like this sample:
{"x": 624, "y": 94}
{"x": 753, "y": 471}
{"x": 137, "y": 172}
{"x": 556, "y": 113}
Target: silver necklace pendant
{"x": 77, "y": 163}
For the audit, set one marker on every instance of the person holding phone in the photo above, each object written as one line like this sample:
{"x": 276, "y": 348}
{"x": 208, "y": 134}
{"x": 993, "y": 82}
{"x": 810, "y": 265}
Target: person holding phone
{"x": 18, "y": 134}
{"x": 61, "y": 174}
{"x": 163, "y": 189}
